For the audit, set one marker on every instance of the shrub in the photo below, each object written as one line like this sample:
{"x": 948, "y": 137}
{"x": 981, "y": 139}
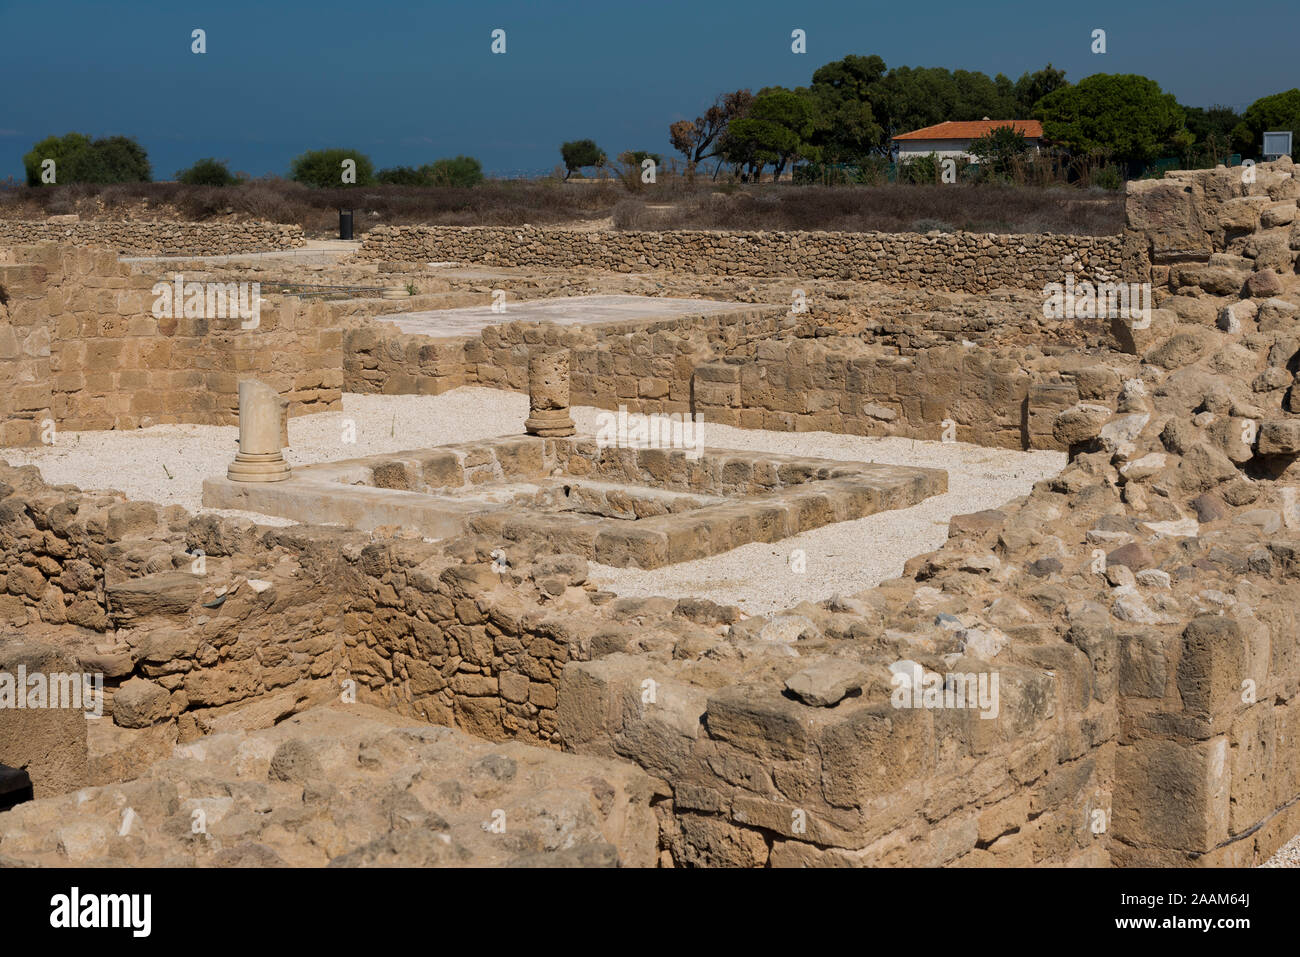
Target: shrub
{"x": 459, "y": 171}
{"x": 999, "y": 150}
{"x": 401, "y": 176}
{"x": 324, "y": 168}
{"x": 207, "y": 172}
{"x": 1108, "y": 177}
{"x": 113, "y": 159}
{"x": 919, "y": 169}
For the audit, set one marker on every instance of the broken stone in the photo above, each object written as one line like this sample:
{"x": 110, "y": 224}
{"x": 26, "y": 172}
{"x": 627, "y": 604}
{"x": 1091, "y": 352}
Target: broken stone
{"x": 826, "y": 681}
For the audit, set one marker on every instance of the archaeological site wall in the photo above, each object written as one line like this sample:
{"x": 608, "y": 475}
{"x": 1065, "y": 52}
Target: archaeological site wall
{"x": 1220, "y": 231}
{"x": 84, "y": 350}
{"x": 145, "y": 238}
{"x": 1095, "y": 723}
{"x": 971, "y": 262}
{"x": 800, "y": 385}
{"x": 760, "y": 367}
{"x": 645, "y": 365}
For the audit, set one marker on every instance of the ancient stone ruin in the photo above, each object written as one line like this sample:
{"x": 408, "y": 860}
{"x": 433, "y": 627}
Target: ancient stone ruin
{"x": 422, "y": 654}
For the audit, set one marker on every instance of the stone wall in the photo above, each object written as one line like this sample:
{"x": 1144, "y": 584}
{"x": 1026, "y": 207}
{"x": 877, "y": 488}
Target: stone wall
{"x": 971, "y": 262}
{"x": 644, "y": 365}
{"x": 991, "y": 397}
{"x": 760, "y": 367}
{"x": 192, "y": 620}
{"x": 763, "y": 778}
{"x": 81, "y": 349}
{"x": 764, "y": 760}
{"x": 25, "y": 371}
{"x": 157, "y": 238}
{"x": 1213, "y": 231}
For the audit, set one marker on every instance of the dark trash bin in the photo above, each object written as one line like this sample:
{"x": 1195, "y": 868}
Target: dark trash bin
{"x": 345, "y": 224}
{"x": 15, "y": 787}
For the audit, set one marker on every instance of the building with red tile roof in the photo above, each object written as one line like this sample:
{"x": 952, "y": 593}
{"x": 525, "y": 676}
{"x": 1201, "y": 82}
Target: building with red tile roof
{"x": 953, "y": 138}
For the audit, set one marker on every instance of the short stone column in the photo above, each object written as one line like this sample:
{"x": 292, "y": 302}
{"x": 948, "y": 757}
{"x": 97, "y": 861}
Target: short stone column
{"x": 261, "y": 417}
{"x": 548, "y": 394}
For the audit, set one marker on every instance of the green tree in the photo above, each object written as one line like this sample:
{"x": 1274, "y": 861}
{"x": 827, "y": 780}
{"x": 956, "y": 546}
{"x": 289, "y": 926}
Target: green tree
{"x": 977, "y": 96}
{"x": 324, "y": 168}
{"x": 78, "y": 159}
{"x": 912, "y": 98}
{"x": 861, "y": 107}
{"x": 118, "y": 159}
{"x": 921, "y": 170}
{"x": 207, "y": 172}
{"x": 1211, "y": 130}
{"x": 1032, "y": 87}
{"x": 846, "y": 130}
{"x": 776, "y": 130}
{"x": 457, "y": 171}
{"x": 578, "y": 154}
{"x": 1122, "y": 114}
{"x": 1214, "y": 121}
{"x": 64, "y": 150}
{"x": 1280, "y": 111}
{"x": 999, "y": 149}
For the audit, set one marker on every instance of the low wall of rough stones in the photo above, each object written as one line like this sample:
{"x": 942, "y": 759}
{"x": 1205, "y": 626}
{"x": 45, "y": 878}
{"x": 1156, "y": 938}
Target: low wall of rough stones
{"x": 969, "y": 262}
{"x": 157, "y": 238}
{"x": 194, "y": 619}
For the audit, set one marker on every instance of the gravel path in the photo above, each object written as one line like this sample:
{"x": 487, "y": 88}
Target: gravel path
{"x": 168, "y": 463}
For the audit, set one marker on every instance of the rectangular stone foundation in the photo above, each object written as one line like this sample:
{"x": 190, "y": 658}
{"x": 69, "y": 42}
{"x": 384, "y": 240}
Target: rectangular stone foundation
{"x": 625, "y": 507}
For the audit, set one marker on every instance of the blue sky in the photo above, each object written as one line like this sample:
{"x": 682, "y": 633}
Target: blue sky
{"x": 410, "y": 82}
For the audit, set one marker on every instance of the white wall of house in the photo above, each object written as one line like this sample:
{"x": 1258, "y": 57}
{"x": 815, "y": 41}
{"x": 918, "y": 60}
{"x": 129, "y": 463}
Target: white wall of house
{"x": 956, "y": 149}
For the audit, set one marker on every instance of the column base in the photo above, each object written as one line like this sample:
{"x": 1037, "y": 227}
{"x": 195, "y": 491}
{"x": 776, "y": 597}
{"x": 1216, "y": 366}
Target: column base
{"x": 550, "y": 425}
{"x": 265, "y": 467}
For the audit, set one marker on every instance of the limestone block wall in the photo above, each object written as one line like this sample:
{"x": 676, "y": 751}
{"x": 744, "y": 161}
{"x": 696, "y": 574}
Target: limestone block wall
{"x": 971, "y": 262}
{"x": 162, "y": 238}
{"x": 845, "y": 386}
{"x": 646, "y": 366}
{"x": 192, "y": 620}
{"x": 762, "y": 779}
{"x": 26, "y": 393}
{"x": 87, "y": 352}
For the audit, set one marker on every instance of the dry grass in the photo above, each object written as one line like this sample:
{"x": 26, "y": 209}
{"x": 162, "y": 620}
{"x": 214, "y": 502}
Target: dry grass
{"x": 893, "y": 208}
{"x": 671, "y": 204}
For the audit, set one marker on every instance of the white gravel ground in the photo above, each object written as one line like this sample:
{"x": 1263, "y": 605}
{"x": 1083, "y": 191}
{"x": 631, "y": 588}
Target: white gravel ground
{"x": 1287, "y": 856}
{"x": 168, "y": 463}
